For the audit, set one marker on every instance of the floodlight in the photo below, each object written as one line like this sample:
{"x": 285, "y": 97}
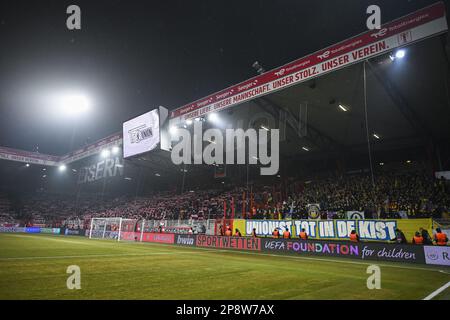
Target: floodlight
{"x": 343, "y": 108}
{"x": 400, "y": 54}
{"x": 62, "y": 168}
{"x": 213, "y": 117}
{"x": 105, "y": 153}
{"x": 115, "y": 150}
{"x": 75, "y": 104}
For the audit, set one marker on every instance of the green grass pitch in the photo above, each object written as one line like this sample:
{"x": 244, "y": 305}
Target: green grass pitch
{"x": 34, "y": 267}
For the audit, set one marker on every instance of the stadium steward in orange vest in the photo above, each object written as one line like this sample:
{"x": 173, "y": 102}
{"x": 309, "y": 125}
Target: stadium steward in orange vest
{"x": 440, "y": 238}
{"x": 303, "y": 235}
{"x": 354, "y": 236}
{"x": 286, "y": 234}
{"x": 417, "y": 239}
{"x": 276, "y": 233}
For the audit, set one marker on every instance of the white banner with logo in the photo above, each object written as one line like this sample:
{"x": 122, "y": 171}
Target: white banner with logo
{"x": 141, "y": 134}
{"x": 313, "y": 211}
{"x": 354, "y": 215}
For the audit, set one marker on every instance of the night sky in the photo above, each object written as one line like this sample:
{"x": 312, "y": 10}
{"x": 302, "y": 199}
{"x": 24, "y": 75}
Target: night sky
{"x": 132, "y": 56}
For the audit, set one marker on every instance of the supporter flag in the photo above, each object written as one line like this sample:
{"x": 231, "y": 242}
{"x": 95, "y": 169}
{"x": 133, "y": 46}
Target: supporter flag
{"x": 355, "y": 215}
{"x": 313, "y": 211}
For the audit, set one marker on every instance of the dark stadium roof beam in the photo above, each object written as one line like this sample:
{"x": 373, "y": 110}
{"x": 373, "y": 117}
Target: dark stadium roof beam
{"x": 315, "y": 136}
{"x": 400, "y": 102}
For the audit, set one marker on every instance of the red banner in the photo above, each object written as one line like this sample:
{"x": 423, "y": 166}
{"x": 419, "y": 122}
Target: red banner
{"x": 158, "y": 237}
{"x": 229, "y": 242}
{"x": 148, "y": 237}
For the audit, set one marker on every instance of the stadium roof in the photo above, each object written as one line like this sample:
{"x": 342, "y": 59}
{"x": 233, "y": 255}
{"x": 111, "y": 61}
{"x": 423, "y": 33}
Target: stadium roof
{"x": 407, "y": 104}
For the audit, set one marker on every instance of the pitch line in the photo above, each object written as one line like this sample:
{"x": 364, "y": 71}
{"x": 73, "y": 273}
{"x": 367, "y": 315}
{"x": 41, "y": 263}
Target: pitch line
{"x": 87, "y": 256}
{"x": 435, "y": 293}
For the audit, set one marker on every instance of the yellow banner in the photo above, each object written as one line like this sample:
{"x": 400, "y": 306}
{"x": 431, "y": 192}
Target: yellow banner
{"x": 407, "y": 226}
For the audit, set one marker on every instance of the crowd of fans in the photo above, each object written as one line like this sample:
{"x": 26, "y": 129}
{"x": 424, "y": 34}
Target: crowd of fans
{"x": 390, "y": 196}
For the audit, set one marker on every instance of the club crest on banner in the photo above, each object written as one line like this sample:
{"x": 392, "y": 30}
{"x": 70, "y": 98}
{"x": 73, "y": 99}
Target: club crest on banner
{"x": 355, "y": 215}
{"x": 313, "y": 211}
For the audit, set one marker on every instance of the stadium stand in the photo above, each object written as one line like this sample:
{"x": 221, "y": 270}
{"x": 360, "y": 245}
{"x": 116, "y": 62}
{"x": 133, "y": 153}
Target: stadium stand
{"x": 415, "y": 194}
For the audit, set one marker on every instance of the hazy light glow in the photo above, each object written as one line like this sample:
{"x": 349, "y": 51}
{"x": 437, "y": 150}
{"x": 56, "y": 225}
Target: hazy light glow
{"x": 115, "y": 150}
{"x": 173, "y": 130}
{"x": 213, "y": 117}
{"x": 105, "y": 153}
{"x": 62, "y": 168}
{"x": 74, "y": 104}
{"x": 189, "y": 122}
{"x": 400, "y": 54}
{"x": 305, "y": 148}
{"x": 27, "y": 165}
{"x": 265, "y": 128}
{"x": 376, "y": 136}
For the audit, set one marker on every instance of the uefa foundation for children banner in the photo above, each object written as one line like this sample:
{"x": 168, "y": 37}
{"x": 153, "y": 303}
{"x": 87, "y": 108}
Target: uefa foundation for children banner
{"x": 361, "y": 251}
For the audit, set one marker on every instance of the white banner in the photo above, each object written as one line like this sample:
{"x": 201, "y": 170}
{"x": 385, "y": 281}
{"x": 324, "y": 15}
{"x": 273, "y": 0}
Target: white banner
{"x": 141, "y": 134}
